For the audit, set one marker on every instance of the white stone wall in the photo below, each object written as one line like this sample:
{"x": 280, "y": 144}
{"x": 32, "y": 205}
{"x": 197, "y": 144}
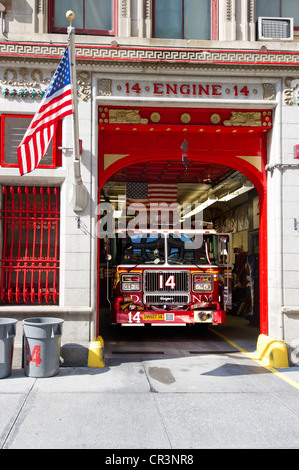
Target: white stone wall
{"x": 283, "y": 207}
{"x": 77, "y": 243}
{"x": 290, "y": 214}
{"x": 274, "y": 236}
{"x": 27, "y": 21}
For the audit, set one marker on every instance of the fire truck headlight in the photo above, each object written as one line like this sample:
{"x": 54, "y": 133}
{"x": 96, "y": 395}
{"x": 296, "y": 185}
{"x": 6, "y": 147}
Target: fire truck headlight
{"x": 130, "y": 282}
{"x": 202, "y": 287}
{"x": 130, "y": 286}
{"x": 203, "y": 283}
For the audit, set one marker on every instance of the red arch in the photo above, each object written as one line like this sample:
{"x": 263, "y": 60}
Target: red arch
{"x": 258, "y": 178}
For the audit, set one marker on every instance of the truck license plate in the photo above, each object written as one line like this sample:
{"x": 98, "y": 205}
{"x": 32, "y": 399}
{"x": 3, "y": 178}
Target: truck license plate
{"x": 153, "y": 316}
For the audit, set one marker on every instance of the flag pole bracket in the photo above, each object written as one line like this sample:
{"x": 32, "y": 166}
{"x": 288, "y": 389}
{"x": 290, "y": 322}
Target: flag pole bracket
{"x": 79, "y": 194}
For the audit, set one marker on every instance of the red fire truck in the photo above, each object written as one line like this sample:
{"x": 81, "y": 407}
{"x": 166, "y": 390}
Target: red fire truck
{"x": 171, "y": 277}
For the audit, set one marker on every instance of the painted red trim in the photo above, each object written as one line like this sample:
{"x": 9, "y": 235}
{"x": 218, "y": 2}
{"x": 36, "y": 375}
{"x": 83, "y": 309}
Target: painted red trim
{"x": 98, "y": 264}
{"x": 183, "y": 18}
{"x": 56, "y": 142}
{"x": 263, "y": 263}
{"x": 215, "y": 20}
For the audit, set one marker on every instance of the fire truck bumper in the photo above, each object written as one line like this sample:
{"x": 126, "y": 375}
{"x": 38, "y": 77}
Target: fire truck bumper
{"x": 209, "y": 316}
{"x": 140, "y": 317}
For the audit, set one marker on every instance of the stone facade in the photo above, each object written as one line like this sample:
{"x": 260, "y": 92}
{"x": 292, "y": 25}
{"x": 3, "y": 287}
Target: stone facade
{"x": 29, "y": 56}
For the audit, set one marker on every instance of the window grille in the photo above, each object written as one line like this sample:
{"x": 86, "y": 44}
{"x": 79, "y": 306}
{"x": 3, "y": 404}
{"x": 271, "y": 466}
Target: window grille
{"x": 29, "y": 241}
{"x": 280, "y": 28}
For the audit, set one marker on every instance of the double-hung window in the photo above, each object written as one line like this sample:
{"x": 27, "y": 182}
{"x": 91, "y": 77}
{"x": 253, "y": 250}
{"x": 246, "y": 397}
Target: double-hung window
{"x": 182, "y": 19}
{"x": 13, "y": 128}
{"x": 91, "y": 16}
{"x": 278, "y": 9}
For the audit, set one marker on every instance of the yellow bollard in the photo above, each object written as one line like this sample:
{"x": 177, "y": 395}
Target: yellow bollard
{"x": 272, "y": 352}
{"x": 96, "y": 353}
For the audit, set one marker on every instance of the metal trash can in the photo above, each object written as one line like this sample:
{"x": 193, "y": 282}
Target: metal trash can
{"x": 42, "y": 343}
{"x": 7, "y": 336}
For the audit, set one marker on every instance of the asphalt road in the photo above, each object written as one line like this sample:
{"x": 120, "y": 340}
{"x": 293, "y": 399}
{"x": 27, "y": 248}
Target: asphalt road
{"x": 163, "y": 389}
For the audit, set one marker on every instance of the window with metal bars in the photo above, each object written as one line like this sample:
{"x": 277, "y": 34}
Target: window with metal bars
{"x": 29, "y": 245}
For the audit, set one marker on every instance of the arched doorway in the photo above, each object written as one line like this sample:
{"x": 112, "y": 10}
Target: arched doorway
{"x": 219, "y": 141}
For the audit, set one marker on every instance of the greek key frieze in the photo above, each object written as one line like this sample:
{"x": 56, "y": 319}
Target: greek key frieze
{"x": 43, "y": 51}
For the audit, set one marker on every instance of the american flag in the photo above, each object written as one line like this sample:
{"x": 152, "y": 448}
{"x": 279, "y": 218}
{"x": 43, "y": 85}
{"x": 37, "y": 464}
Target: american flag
{"x": 56, "y": 104}
{"x": 148, "y": 193}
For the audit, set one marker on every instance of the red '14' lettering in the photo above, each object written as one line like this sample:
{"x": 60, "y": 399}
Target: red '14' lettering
{"x": 34, "y": 356}
{"x": 244, "y": 91}
{"x": 135, "y": 88}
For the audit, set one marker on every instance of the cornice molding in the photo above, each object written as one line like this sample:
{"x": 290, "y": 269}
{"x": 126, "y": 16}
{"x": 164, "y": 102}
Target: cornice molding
{"x": 93, "y": 54}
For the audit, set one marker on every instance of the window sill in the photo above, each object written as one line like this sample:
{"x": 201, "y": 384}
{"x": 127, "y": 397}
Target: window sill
{"x": 39, "y": 176}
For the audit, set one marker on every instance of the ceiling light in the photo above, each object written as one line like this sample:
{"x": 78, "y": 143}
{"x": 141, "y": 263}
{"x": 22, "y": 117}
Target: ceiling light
{"x": 236, "y": 193}
{"x": 117, "y": 214}
{"x": 199, "y": 208}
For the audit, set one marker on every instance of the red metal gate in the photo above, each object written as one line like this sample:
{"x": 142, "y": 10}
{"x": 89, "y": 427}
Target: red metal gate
{"x": 29, "y": 269}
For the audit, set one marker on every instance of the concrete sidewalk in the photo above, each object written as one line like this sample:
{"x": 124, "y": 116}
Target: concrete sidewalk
{"x": 187, "y": 402}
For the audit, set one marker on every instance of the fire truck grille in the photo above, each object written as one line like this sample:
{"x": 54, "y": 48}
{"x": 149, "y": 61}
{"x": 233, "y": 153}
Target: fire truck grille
{"x": 166, "y": 281}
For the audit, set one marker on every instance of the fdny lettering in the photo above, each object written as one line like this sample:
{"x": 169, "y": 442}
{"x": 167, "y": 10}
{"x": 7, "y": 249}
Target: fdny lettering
{"x": 201, "y": 298}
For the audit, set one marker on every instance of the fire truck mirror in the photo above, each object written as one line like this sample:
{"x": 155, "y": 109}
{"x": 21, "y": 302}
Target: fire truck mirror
{"x": 223, "y": 250}
{"x": 107, "y": 249}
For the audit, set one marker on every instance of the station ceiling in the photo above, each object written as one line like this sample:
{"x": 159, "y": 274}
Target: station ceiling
{"x": 195, "y": 184}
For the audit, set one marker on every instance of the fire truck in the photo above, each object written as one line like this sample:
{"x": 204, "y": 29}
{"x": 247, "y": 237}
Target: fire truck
{"x": 170, "y": 277}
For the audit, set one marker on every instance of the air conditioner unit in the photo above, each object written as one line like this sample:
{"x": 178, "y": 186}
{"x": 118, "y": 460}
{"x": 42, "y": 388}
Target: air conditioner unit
{"x": 275, "y": 29}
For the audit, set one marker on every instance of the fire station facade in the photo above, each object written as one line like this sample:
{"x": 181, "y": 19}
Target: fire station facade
{"x": 231, "y": 94}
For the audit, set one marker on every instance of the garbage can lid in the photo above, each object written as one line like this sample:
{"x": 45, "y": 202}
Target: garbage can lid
{"x": 42, "y": 320}
{"x": 7, "y": 321}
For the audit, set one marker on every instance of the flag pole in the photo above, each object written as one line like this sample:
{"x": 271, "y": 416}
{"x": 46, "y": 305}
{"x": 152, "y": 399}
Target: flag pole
{"x": 79, "y": 192}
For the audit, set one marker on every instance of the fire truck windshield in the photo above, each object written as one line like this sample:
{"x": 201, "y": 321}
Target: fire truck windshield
{"x": 181, "y": 248}
{"x": 191, "y": 249}
{"x": 143, "y": 248}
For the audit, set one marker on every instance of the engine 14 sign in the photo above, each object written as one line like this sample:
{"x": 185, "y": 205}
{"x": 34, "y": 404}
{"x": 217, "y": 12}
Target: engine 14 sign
{"x": 203, "y": 90}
